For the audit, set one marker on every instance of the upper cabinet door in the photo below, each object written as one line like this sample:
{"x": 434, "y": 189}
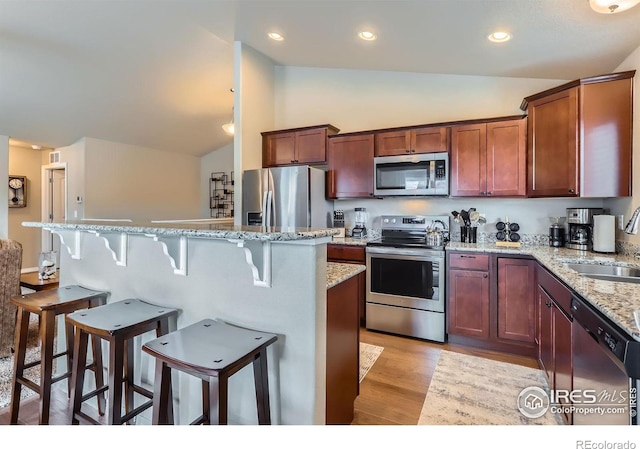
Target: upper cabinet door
{"x": 468, "y": 160}
{"x": 299, "y": 146}
{"x": 507, "y": 158}
{"x": 278, "y": 149}
{"x": 553, "y": 145}
{"x": 350, "y": 172}
{"x": 311, "y": 146}
{"x": 430, "y": 140}
{"x": 393, "y": 143}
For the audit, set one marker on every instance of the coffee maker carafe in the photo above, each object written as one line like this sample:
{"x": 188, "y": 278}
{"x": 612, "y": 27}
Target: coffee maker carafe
{"x": 581, "y": 227}
{"x": 556, "y": 232}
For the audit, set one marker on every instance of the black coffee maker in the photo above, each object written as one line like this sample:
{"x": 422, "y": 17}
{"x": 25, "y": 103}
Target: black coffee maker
{"x": 556, "y": 232}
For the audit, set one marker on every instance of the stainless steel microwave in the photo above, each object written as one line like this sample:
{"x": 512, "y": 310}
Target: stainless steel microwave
{"x": 416, "y": 175}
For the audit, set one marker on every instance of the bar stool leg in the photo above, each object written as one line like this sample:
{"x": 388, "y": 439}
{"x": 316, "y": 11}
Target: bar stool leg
{"x": 80, "y": 343}
{"x": 218, "y": 399}
{"x": 261, "y": 379}
{"x": 68, "y": 328}
{"x": 162, "y": 398}
{"x": 116, "y": 372}
{"x": 47, "y": 327}
{"x": 20, "y": 344}
{"x": 128, "y": 377}
{"x": 96, "y": 350}
{"x": 206, "y": 403}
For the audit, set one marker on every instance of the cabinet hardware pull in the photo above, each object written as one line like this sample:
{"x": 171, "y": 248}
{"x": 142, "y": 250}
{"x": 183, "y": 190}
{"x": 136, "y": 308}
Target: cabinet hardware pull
{"x": 462, "y": 256}
{"x": 488, "y": 193}
{"x": 485, "y": 276}
{"x": 483, "y": 193}
{"x": 572, "y": 191}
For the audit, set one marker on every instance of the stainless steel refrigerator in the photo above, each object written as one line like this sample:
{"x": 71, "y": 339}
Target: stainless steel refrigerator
{"x": 285, "y": 197}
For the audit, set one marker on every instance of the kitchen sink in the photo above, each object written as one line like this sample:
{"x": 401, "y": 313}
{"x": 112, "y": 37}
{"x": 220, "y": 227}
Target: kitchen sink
{"x": 607, "y": 272}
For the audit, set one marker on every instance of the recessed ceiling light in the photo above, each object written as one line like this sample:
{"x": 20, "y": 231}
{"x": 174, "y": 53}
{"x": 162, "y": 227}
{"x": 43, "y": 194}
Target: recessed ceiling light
{"x": 275, "y": 36}
{"x": 499, "y": 36}
{"x": 36, "y": 147}
{"x": 367, "y": 35}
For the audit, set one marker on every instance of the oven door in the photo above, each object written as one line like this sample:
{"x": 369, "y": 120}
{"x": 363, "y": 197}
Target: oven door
{"x": 406, "y": 278}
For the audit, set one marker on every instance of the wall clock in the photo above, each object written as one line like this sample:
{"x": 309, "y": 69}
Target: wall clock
{"x": 17, "y": 191}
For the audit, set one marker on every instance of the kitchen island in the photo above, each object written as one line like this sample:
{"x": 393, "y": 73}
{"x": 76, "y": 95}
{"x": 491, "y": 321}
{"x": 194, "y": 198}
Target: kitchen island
{"x": 268, "y": 279}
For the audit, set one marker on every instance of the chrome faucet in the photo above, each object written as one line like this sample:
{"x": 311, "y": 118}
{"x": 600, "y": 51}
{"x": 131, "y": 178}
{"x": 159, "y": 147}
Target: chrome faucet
{"x": 632, "y": 226}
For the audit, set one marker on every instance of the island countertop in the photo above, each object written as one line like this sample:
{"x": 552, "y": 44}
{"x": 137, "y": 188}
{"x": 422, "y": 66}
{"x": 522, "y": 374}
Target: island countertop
{"x": 198, "y": 228}
{"x": 616, "y": 300}
{"x": 340, "y": 272}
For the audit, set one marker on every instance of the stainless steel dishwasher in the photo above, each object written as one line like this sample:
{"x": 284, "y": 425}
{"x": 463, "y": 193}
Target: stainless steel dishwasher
{"x": 606, "y": 368}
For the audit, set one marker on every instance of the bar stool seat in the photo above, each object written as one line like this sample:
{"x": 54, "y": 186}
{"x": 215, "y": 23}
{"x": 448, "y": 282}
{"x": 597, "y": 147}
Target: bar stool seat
{"x": 117, "y": 323}
{"x": 48, "y": 304}
{"x": 212, "y": 351}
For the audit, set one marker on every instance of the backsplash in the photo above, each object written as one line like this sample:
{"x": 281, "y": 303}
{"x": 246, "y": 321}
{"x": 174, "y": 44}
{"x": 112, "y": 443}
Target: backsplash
{"x": 490, "y": 237}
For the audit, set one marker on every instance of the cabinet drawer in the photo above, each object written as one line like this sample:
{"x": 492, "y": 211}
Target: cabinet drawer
{"x": 469, "y": 261}
{"x": 555, "y": 289}
{"x": 345, "y": 253}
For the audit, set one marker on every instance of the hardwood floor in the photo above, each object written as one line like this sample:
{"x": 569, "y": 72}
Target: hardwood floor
{"x": 395, "y": 388}
{"x": 392, "y": 393}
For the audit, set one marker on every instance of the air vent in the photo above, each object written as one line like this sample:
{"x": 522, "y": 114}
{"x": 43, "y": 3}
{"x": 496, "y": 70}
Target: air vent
{"x": 54, "y": 157}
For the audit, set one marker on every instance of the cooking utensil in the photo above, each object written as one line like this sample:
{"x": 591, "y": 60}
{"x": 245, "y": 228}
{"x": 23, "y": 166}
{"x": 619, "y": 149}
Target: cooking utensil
{"x": 465, "y": 217}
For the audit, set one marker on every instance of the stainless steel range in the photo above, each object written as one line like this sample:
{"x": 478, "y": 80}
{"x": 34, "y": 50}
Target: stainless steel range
{"x": 406, "y": 277}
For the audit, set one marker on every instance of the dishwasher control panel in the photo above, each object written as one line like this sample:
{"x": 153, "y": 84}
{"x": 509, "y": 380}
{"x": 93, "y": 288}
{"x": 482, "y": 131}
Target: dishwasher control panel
{"x": 600, "y": 329}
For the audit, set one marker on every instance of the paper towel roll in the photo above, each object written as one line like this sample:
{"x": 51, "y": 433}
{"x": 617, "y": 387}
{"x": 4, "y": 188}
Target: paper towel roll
{"x": 604, "y": 233}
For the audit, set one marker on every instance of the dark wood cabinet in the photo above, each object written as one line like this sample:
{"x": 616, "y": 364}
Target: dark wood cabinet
{"x": 468, "y": 304}
{"x": 356, "y": 255}
{"x": 428, "y": 139}
{"x": 343, "y": 352}
{"x": 491, "y": 302}
{"x": 554, "y": 333}
{"x": 516, "y": 299}
{"x": 489, "y": 159}
{"x": 575, "y": 131}
{"x": 350, "y": 173}
{"x": 296, "y": 146}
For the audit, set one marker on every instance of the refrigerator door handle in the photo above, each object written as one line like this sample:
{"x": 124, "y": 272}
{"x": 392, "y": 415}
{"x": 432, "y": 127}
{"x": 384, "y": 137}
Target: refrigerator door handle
{"x": 265, "y": 201}
{"x": 269, "y": 206}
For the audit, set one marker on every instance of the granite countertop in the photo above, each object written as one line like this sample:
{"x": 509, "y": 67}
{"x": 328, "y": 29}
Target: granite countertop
{"x": 340, "y": 272}
{"x": 616, "y": 300}
{"x": 202, "y": 228}
{"x": 350, "y": 241}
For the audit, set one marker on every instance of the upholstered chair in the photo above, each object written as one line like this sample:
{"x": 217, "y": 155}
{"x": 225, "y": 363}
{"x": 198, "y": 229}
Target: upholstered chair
{"x": 10, "y": 265}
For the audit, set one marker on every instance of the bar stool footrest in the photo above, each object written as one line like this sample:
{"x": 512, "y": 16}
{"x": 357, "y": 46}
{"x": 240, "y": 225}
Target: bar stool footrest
{"x": 136, "y": 411}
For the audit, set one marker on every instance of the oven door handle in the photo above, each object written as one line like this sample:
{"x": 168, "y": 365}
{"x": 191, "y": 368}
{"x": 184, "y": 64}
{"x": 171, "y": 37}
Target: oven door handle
{"x": 414, "y": 257}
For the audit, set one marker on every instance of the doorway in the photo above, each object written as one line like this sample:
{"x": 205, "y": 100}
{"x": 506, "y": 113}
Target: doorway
{"x": 54, "y": 203}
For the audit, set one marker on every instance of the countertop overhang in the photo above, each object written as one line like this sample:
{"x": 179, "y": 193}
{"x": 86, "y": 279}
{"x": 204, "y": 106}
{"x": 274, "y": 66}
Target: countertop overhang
{"x": 189, "y": 228}
{"x": 616, "y": 300}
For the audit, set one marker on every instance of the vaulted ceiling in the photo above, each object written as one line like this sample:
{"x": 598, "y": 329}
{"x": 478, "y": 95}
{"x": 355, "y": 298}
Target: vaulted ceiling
{"x": 158, "y": 73}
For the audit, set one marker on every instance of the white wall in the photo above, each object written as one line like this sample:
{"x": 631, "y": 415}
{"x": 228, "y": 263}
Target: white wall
{"x": 4, "y": 186}
{"x": 27, "y": 162}
{"x": 253, "y": 113}
{"x": 356, "y": 100}
{"x": 220, "y": 160}
{"x": 74, "y": 156}
{"x": 128, "y": 181}
{"x": 626, "y": 206}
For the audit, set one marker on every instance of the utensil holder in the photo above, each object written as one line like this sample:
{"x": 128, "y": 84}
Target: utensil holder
{"x": 464, "y": 230}
{"x": 473, "y": 234}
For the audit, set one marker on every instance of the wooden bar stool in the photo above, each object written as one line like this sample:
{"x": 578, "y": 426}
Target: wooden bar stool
{"x": 48, "y": 304}
{"x": 117, "y": 323}
{"x": 212, "y": 351}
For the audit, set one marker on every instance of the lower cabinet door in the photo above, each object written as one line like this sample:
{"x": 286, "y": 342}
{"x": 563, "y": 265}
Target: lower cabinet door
{"x": 516, "y": 300}
{"x": 469, "y": 303}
